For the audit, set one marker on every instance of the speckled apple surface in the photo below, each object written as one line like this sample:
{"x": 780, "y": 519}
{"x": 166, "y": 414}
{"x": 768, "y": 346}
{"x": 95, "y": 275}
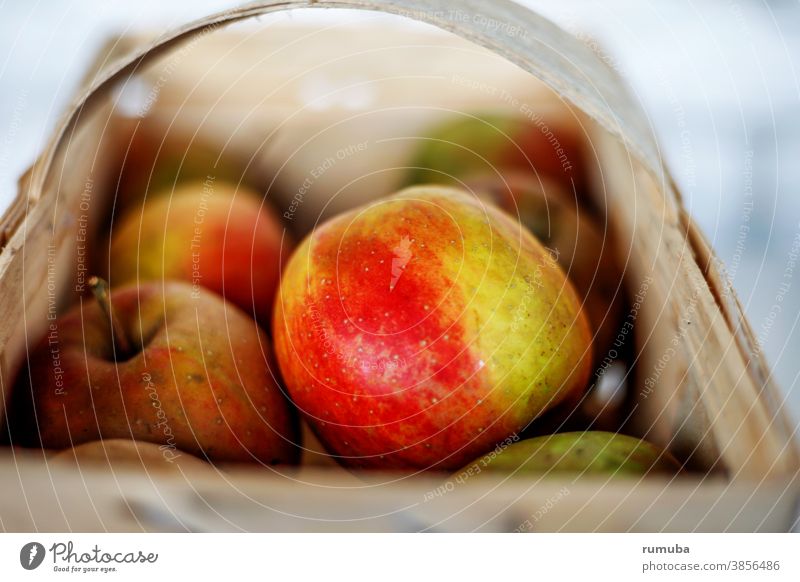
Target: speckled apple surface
{"x": 579, "y": 239}
{"x": 419, "y": 330}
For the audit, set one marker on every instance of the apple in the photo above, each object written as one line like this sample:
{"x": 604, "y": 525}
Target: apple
{"x": 582, "y": 248}
{"x": 591, "y": 452}
{"x": 419, "y": 330}
{"x": 157, "y": 158}
{"x": 492, "y": 144}
{"x": 211, "y": 234}
{"x": 176, "y": 368}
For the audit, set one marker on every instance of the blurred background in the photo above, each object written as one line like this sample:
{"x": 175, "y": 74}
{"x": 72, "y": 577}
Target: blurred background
{"x": 719, "y": 79}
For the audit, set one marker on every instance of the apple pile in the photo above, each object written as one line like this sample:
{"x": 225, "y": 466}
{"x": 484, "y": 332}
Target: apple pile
{"x": 413, "y": 333}
{"x": 173, "y": 355}
{"x": 525, "y": 169}
{"x": 493, "y": 144}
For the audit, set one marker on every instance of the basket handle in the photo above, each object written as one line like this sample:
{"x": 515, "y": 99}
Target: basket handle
{"x": 512, "y": 31}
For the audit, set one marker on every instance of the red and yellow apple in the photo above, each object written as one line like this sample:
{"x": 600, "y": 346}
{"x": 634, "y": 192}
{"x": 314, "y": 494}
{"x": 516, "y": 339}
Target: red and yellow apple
{"x": 210, "y": 234}
{"x": 417, "y": 331}
{"x": 183, "y": 370}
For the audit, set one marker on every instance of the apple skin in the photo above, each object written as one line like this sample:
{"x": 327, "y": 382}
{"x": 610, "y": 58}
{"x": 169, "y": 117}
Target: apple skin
{"x": 589, "y": 453}
{"x": 583, "y": 251}
{"x": 211, "y": 234}
{"x": 492, "y": 144}
{"x": 416, "y": 332}
{"x": 204, "y": 382}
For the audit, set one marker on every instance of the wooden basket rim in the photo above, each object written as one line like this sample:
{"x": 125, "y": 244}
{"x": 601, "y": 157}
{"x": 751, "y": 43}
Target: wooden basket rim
{"x": 572, "y": 69}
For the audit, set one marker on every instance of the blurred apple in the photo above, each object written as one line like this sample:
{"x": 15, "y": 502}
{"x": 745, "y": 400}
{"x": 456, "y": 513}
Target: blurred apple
{"x": 156, "y": 158}
{"x": 492, "y": 144}
{"x": 210, "y": 234}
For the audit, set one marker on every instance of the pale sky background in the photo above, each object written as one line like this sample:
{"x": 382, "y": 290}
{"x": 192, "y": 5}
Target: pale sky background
{"x": 732, "y": 67}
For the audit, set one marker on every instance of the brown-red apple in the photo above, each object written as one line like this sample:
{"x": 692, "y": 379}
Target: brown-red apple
{"x": 186, "y": 371}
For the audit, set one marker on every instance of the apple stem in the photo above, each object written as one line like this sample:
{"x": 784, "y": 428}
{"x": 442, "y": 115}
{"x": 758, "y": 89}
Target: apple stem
{"x": 122, "y": 345}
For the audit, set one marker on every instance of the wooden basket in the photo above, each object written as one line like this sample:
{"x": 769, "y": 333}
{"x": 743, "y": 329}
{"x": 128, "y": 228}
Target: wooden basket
{"x": 714, "y": 403}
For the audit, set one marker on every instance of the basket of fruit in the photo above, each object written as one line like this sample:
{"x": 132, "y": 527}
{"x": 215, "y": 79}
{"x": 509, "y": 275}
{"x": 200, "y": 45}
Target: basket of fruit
{"x": 373, "y": 276}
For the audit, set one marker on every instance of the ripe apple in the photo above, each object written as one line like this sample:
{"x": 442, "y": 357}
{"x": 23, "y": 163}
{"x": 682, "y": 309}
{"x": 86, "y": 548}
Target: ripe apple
{"x": 210, "y": 234}
{"x": 181, "y": 369}
{"x": 418, "y": 331}
{"x": 492, "y": 144}
{"x": 581, "y": 247}
{"x": 591, "y": 452}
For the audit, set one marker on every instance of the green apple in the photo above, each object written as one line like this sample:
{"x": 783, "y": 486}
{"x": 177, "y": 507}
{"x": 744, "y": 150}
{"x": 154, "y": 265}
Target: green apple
{"x": 590, "y": 452}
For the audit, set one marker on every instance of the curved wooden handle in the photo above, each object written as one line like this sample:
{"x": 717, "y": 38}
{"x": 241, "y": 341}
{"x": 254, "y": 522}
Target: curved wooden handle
{"x": 516, "y": 33}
